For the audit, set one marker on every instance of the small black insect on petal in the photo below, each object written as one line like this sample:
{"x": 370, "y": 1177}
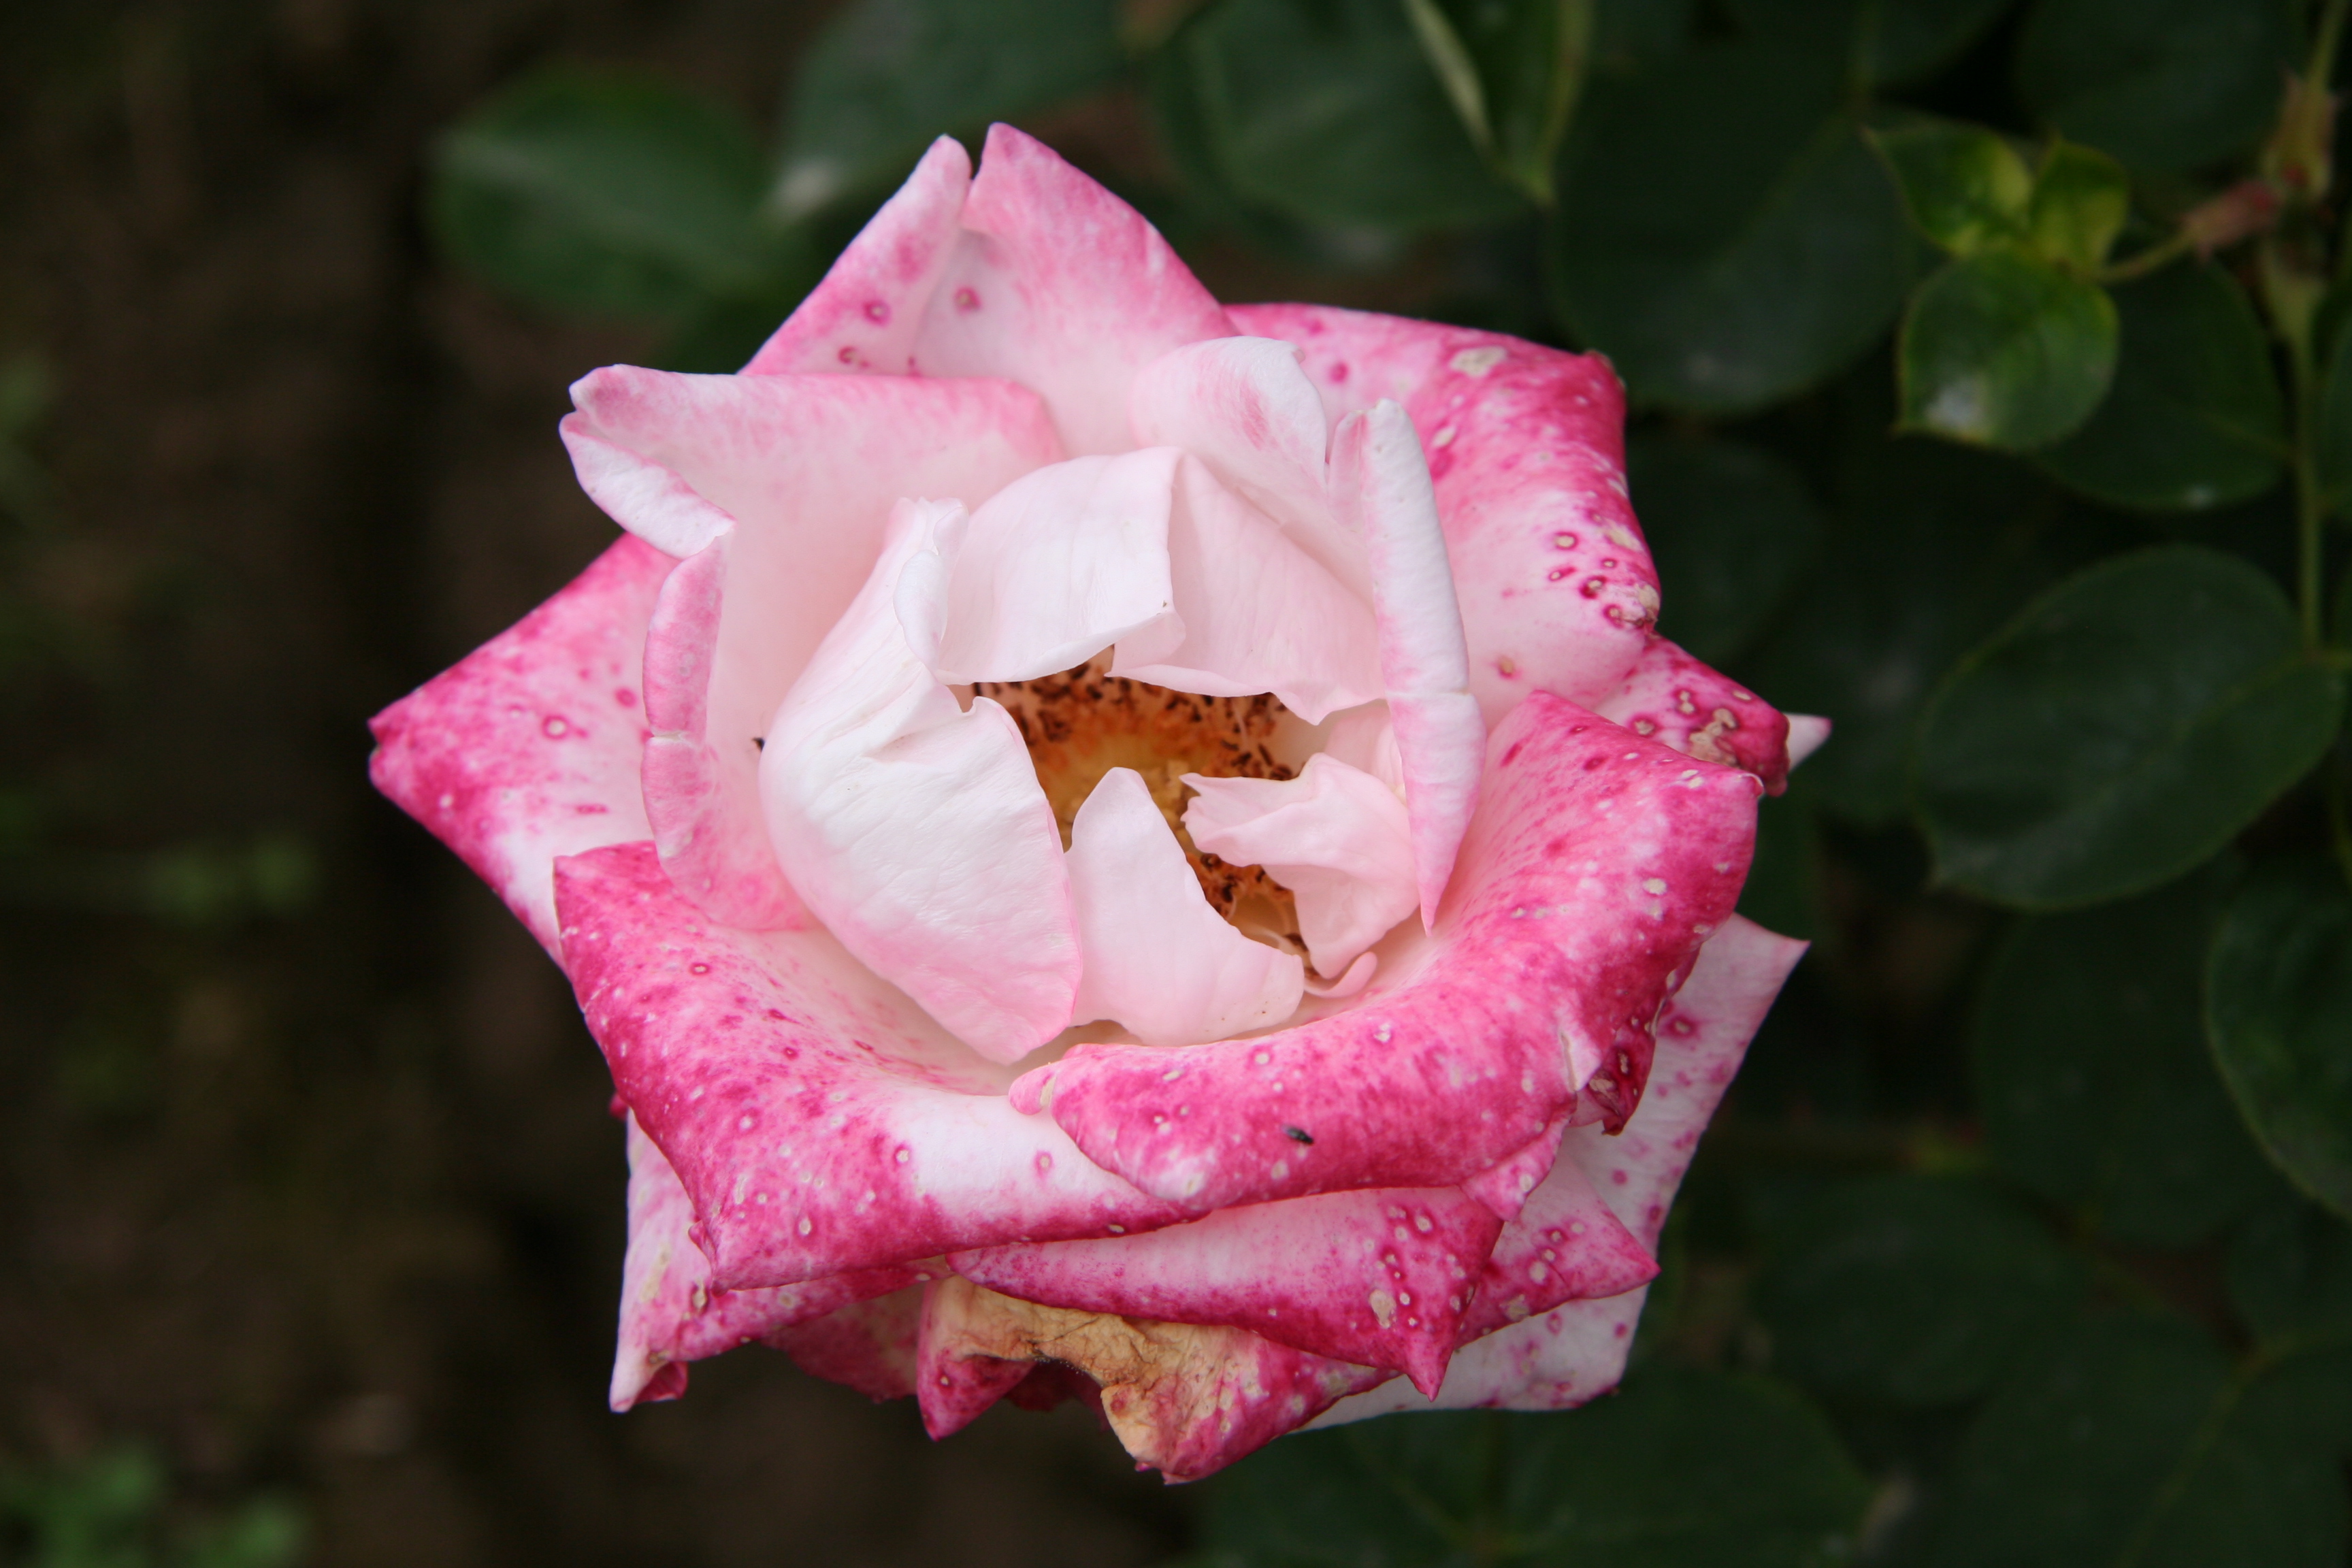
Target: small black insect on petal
{"x": 1297, "y": 1135}
{"x": 760, "y": 742}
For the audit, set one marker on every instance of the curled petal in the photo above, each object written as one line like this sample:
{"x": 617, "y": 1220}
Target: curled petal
{"x": 916, "y": 829}
{"x": 1158, "y": 959}
{"x": 1672, "y": 696}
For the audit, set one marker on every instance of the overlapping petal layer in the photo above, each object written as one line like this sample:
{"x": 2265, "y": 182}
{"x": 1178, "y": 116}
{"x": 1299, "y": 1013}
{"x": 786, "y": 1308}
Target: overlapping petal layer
{"x": 1701, "y": 713}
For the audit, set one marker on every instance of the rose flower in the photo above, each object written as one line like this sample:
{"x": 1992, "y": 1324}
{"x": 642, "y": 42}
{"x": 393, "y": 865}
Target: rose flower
{"x": 1121, "y": 848}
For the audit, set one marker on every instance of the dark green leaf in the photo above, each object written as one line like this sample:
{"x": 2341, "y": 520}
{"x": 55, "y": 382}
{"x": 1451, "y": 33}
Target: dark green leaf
{"x": 2194, "y": 419}
{"x": 2121, "y": 730}
{"x": 1513, "y": 69}
{"x": 2279, "y": 1005}
{"x": 1892, "y": 40}
{"x": 1628, "y": 34}
{"x": 1731, "y": 527}
{"x": 887, "y": 76}
{"x": 2092, "y": 1076}
{"x": 1911, "y": 1290}
{"x": 1724, "y": 234}
{"x": 2164, "y": 85}
{"x": 2081, "y": 198}
{"x": 607, "y": 194}
{"x": 1965, "y": 187}
{"x": 1682, "y": 1468}
{"x": 1325, "y": 111}
{"x": 1999, "y": 349}
{"x": 2290, "y": 1271}
{"x": 2127, "y": 1441}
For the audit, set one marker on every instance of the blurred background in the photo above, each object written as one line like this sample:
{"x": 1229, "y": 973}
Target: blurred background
{"x": 312, "y": 1224}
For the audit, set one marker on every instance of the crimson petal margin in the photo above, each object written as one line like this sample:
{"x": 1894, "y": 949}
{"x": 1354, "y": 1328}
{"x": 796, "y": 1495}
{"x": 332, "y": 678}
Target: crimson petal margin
{"x": 1701, "y": 713}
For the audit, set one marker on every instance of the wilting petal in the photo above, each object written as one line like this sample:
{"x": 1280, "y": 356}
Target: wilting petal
{"x": 1255, "y": 612}
{"x": 1334, "y": 836}
{"x": 1058, "y": 566}
{"x": 1598, "y": 863}
{"x": 528, "y": 749}
{"x": 820, "y": 1121}
{"x": 1159, "y": 959}
{"x": 1527, "y": 447}
{"x": 1697, "y": 712}
{"x": 915, "y": 830}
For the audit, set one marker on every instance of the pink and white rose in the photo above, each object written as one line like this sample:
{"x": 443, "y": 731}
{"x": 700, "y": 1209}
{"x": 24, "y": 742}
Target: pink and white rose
{"x": 1114, "y": 843}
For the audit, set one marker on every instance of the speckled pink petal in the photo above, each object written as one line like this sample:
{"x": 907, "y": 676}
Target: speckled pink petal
{"x": 1334, "y": 836}
{"x": 819, "y": 1120}
{"x": 1379, "y": 1277}
{"x": 669, "y": 1313}
{"x": 1057, "y": 567}
{"x": 529, "y": 748}
{"x": 1505, "y": 1187}
{"x": 1158, "y": 959}
{"x": 1255, "y": 612}
{"x": 1697, "y": 712}
{"x": 915, "y": 830}
{"x": 1597, "y": 864}
{"x": 1527, "y": 448}
{"x": 1566, "y": 1244}
{"x": 869, "y": 1345}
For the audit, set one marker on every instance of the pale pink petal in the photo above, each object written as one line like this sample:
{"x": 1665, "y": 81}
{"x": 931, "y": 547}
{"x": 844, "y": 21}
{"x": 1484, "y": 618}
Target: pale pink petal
{"x": 1334, "y": 836}
{"x": 1807, "y": 732}
{"x": 1441, "y": 740}
{"x": 1597, "y": 865}
{"x": 1158, "y": 959}
{"x": 819, "y": 1121}
{"x": 1697, "y": 712}
{"x": 1527, "y": 448}
{"x": 1365, "y": 738}
{"x": 529, "y": 748}
{"x": 1255, "y": 612}
{"x": 1057, "y": 567}
{"x": 915, "y": 830}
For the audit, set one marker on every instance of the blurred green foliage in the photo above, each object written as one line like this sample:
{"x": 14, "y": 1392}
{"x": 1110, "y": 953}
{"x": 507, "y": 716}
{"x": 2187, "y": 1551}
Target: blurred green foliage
{"x": 115, "y": 1510}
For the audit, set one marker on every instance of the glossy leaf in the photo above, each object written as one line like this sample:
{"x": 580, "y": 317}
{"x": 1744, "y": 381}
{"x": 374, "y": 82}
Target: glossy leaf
{"x": 1965, "y": 188}
{"x": 2081, "y": 197}
{"x": 887, "y": 76}
{"x": 1914, "y": 1290}
{"x": 1724, "y": 234}
{"x": 1731, "y": 527}
{"x": 2092, "y": 1076}
{"x": 2000, "y": 350}
{"x": 2279, "y": 1005}
{"x": 2164, "y": 85}
{"x": 1895, "y": 40}
{"x": 2195, "y": 418}
{"x": 2121, "y": 730}
{"x": 1513, "y": 69}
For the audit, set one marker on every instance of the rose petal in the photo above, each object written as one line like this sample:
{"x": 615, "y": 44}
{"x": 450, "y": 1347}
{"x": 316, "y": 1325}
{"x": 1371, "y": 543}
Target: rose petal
{"x": 870, "y": 1346}
{"x": 1807, "y": 732}
{"x": 1598, "y": 863}
{"x": 1334, "y": 836}
{"x": 1685, "y": 705}
{"x": 1566, "y": 1244}
{"x": 820, "y": 1121}
{"x": 1158, "y": 959}
{"x": 1505, "y": 1187}
{"x": 528, "y": 749}
{"x": 915, "y": 830}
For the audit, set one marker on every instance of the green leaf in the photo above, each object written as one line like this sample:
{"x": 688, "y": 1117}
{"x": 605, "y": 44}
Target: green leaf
{"x": 2332, "y": 438}
{"x": 1965, "y": 188}
{"x": 606, "y": 194}
{"x": 2195, "y": 418}
{"x": 1914, "y": 1290}
{"x": 2081, "y": 198}
{"x": 2127, "y": 1441}
{"x": 1731, "y": 528}
{"x": 2092, "y": 1076}
{"x": 1325, "y": 111}
{"x": 1724, "y": 235}
{"x": 1682, "y": 1468}
{"x": 2290, "y": 1271}
{"x": 2164, "y": 85}
{"x": 1513, "y": 69}
{"x": 1891, "y": 40}
{"x": 2279, "y": 1008}
{"x": 887, "y": 76}
{"x": 2121, "y": 730}
{"x": 1999, "y": 349}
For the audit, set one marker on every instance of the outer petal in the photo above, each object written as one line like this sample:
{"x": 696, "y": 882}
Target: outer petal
{"x": 819, "y": 1121}
{"x": 870, "y": 1346}
{"x": 915, "y": 830}
{"x": 528, "y": 749}
{"x": 1807, "y": 732}
{"x": 1701, "y": 713}
{"x": 1527, "y": 447}
{"x": 1598, "y": 864}
{"x": 1158, "y": 959}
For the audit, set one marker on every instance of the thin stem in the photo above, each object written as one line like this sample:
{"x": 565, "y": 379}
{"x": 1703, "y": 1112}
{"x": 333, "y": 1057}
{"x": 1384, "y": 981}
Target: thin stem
{"x": 2310, "y": 502}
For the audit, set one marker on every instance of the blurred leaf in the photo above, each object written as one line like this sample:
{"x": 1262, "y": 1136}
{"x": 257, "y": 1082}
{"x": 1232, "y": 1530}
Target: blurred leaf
{"x": 1891, "y": 40}
{"x": 1724, "y": 235}
{"x": 1911, "y": 1290}
{"x": 1782, "y": 892}
{"x": 1682, "y": 1468}
{"x": 887, "y": 76}
{"x": 2120, "y": 730}
{"x": 2092, "y": 1076}
{"x": 2290, "y": 1271}
{"x": 1731, "y": 528}
{"x": 2194, "y": 419}
{"x": 2003, "y": 351}
{"x": 2278, "y": 1006}
{"x": 2127, "y": 1441}
{"x": 1325, "y": 111}
{"x": 2332, "y": 437}
{"x": 2081, "y": 198}
{"x": 2164, "y": 85}
{"x": 1513, "y": 69}
{"x": 1630, "y": 34}
{"x": 1964, "y": 187}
